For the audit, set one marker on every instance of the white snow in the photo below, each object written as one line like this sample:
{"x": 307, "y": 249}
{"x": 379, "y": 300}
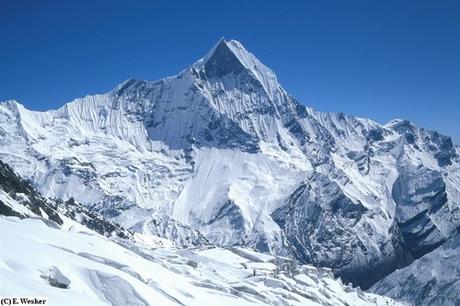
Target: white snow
{"x": 101, "y": 272}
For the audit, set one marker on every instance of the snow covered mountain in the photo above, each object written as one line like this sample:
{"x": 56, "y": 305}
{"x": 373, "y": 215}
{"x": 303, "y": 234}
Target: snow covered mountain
{"x": 70, "y": 264}
{"x": 222, "y": 154}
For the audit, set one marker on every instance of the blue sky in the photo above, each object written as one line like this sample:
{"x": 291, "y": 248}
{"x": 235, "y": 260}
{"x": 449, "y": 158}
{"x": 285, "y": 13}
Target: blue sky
{"x": 378, "y": 59}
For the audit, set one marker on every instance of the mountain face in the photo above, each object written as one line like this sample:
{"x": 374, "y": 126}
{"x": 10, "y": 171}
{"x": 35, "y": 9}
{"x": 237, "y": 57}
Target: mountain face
{"x": 222, "y": 154}
{"x": 433, "y": 279}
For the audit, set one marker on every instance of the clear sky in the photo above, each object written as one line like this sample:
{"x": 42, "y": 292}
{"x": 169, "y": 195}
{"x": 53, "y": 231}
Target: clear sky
{"x": 378, "y": 59}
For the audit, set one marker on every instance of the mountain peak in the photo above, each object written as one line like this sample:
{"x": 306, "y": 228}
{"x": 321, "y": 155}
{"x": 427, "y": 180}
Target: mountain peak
{"x": 231, "y": 57}
{"x": 222, "y": 60}
{"x": 220, "y": 42}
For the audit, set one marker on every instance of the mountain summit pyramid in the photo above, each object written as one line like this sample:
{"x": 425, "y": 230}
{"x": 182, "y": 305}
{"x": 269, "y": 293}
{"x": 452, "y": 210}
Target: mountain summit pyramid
{"x": 222, "y": 154}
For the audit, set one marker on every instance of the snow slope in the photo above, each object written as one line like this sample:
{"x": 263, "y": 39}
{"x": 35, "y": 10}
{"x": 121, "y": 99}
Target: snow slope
{"x": 221, "y": 153}
{"x": 102, "y": 272}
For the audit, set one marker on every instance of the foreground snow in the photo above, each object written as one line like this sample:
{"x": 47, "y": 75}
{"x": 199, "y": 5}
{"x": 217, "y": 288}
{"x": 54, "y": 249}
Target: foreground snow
{"x": 102, "y": 272}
